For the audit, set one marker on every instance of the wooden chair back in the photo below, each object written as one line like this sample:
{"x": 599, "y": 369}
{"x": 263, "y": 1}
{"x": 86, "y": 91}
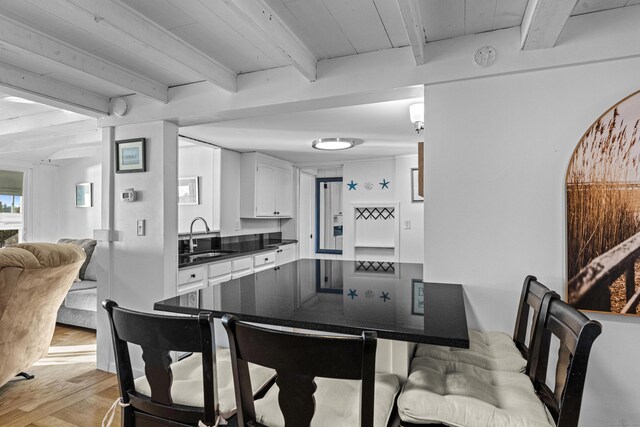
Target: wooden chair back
{"x": 158, "y": 335}
{"x": 576, "y": 334}
{"x": 530, "y": 299}
{"x": 298, "y": 359}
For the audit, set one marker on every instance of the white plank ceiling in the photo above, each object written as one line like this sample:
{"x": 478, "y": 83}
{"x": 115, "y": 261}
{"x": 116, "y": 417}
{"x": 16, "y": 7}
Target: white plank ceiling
{"x": 83, "y": 53}
{"x": 328, "y": 28}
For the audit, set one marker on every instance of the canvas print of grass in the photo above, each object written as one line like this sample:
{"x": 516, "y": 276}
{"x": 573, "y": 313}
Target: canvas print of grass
{"x": 603, "y": 213}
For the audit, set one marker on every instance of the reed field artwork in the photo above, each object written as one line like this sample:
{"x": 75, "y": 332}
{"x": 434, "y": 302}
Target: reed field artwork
{"x": 603, "y": 213}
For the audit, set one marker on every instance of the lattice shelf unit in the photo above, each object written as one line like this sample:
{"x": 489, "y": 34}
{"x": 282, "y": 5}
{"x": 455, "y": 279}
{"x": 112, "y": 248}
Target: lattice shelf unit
{"x": 376, "y": 231}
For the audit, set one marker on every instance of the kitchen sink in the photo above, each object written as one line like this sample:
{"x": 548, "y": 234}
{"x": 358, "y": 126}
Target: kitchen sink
{"x": 192, "y": 257}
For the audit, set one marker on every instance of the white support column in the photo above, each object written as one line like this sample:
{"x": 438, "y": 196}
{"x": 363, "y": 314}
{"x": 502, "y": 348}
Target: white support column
{"x": 104, "y": 250}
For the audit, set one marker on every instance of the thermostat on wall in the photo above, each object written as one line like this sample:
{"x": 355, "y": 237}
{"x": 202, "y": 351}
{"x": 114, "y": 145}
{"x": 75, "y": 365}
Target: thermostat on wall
{"x": 128, "y": 195}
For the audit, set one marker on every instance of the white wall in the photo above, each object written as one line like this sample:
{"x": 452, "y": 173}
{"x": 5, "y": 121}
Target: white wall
{"x": 411, "y": 239}
{"x": 495, "y": 164}
{"x": 139, "y": 281}
{"x": 44, "y": 198}
{"x": 141, "y": 270}
{"x": 230, "y": 222}
{"x": 74, "y": 222}
{"x": 398, "y": 172}
{"x": 362, "y": 172}
{"x": 200, "y": 161}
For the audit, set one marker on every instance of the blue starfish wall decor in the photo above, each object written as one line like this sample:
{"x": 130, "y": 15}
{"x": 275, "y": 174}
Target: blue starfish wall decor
{"x": 352, "y": 293}
{"x": 352, "y": 185}
{"x": 385, "y": 184}
{"x": 385, "y": 296}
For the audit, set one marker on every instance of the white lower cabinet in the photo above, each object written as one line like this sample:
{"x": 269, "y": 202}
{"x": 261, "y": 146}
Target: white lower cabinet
{"x": 194, "y": 278}
{"x": 286, "y": 254}
{"x": 264, "y": 261}
{"x": 191, "y": 279}
{"x": 220, "y": 272}
{"x": 241, "y": 266}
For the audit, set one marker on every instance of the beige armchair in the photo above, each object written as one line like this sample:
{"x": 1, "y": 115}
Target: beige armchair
{"x": 34, "y": 279}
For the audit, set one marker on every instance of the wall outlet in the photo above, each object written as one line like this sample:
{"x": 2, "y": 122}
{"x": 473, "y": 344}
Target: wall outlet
{"x": 140, "y": 226}
{"x": 237, "y": 224}
{"x": 407, "y": 224}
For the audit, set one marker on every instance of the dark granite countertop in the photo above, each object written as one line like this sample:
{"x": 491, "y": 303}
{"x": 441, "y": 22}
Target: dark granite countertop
{"x": 233, "y": 250}
{"x": 346, "y": 297}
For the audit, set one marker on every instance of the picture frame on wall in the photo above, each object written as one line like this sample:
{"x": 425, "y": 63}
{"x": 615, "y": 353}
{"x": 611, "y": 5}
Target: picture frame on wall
{"x": 188, "y": 191}
{"x": 415, "y": 181}
{"x": 417, "y": 297}
{"x": 130, "y": 155}
{"x": 84, "y": 195}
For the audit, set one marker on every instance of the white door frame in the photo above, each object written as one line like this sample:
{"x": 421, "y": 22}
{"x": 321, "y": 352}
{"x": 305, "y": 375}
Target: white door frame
{"x": 307, "y": 245}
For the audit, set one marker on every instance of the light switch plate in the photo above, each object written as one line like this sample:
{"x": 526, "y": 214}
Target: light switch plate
{"x": 140, "y": 226}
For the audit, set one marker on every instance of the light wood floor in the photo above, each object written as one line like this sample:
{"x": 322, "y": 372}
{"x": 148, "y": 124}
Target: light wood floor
{"x": 67, "y": 391}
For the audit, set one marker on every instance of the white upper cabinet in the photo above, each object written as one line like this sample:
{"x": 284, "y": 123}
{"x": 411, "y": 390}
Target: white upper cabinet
{"x": 266, "y": 187}
{"x": 266, "y": 184}
{"x": 284, "y": 192}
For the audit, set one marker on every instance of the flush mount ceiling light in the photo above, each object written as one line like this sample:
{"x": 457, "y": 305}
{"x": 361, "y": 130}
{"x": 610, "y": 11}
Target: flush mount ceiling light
{"x": 416, "y": 114}
{"x": 335, "y": 143}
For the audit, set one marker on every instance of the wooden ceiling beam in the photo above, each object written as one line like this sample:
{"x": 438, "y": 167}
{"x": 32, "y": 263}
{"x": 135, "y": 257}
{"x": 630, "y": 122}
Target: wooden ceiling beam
{"x": 264, "y": 20}
{"x": 543, "y": 22}
{"x": 413, "y": 23}
{"x": 123, "y": 26}
{"x": 52, "y": 92}
{"x": 26, "y": 39}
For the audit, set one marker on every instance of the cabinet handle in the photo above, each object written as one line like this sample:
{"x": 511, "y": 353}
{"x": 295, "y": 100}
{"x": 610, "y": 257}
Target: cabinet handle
{"x": 266, "y": 259}
{"x": 193, "y": 276}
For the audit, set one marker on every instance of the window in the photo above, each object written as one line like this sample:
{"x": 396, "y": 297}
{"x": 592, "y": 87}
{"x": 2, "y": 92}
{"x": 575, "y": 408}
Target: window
{"x": 11, "y": 212}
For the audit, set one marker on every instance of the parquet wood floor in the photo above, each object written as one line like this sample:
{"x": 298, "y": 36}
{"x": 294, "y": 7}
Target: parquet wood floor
{"x": 67, "y": 391}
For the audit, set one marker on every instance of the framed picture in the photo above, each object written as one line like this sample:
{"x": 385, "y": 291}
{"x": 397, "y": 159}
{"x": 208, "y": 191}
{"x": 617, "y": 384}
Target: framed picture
{"x": 415, "y": 197}
{"x": 417, "y": 297}
{"x": 84, "y": 195}
{"x": 188, "y": 191}
{"x": 130, "y": 155}
{"x": 603, "y": 214}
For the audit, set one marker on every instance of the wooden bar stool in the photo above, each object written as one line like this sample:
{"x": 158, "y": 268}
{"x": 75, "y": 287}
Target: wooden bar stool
{"x": 318, "y": 379}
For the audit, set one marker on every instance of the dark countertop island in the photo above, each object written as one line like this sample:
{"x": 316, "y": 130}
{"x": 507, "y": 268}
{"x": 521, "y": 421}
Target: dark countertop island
{"x": 339, "y": 296}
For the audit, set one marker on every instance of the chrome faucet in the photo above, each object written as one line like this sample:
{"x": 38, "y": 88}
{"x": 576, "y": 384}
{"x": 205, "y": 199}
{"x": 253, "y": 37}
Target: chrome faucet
{"x": 193, "y": 245}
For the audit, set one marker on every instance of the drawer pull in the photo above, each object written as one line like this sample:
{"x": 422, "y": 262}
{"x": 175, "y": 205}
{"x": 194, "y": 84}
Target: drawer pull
{"x": 193, "y": 276}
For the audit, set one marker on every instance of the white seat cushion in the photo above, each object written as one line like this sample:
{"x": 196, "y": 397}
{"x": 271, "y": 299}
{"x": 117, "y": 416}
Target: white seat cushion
{"x": 488, "y": 350}
{"x": 187, "y": 387}
{"x": 337, "y": 403}
{"x": 459, "y": 394}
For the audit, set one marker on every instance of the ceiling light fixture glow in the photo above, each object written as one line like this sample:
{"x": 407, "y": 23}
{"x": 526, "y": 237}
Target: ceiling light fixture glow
{"x": 18, "y": 100}
{"x": 333, "y": 144}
